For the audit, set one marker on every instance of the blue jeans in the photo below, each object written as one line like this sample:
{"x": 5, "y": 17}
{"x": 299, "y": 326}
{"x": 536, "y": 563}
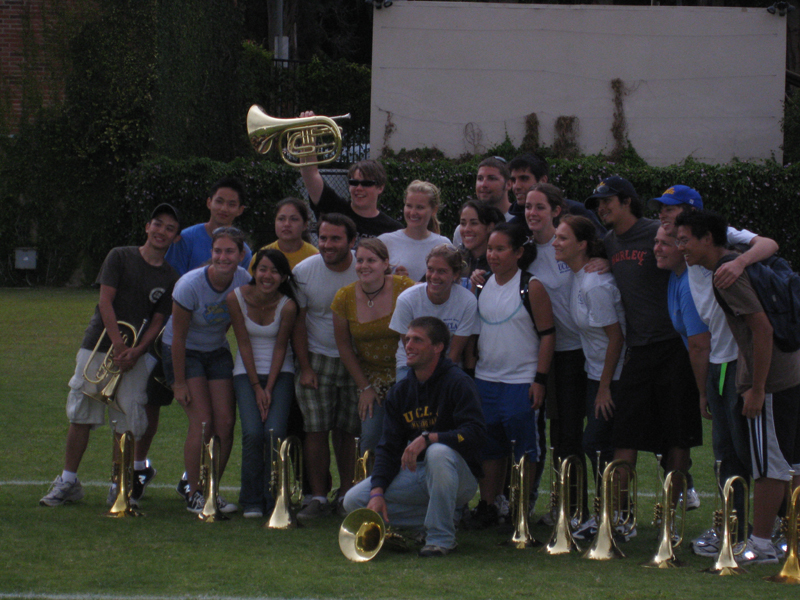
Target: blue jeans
{"x": 256, "y": 470}
{"x": 730, "y": 437}
{"x": 372, "y": 428}
{"x": 426, "y": 498}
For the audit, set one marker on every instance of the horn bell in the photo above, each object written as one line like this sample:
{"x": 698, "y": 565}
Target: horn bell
{"x": 361, "y": 535}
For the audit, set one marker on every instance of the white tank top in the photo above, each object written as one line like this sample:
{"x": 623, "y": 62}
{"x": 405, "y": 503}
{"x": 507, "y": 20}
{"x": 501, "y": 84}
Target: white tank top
{"x": 508, "y": 347}
{"x": 262, "y": 340}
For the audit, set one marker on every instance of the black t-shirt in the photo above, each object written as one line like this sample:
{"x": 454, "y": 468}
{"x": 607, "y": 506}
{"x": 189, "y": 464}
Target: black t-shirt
{"x": 142, "y": 290}
{"x": 331, "y": 202}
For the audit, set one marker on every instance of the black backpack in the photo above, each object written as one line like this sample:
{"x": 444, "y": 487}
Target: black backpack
{"x": 524, "y": 278}
{"x": 778, "y": 290}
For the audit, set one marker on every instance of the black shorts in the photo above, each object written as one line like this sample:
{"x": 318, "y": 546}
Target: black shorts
{"x": 659, "y": 404}
{"x": 158, "y": 392}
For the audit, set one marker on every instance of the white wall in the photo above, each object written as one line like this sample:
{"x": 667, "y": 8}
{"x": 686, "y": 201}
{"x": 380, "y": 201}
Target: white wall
{"x": 705, "y": 82}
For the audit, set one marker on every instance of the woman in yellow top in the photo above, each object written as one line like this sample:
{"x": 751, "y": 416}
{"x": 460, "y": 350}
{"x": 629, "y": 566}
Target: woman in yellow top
{"x": 291, "y": 227}
{"x": 361, "y": 315}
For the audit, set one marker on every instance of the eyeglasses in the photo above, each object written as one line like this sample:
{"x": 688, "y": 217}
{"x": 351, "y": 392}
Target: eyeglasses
{"x": 227, "y": 231}
{"x": 681, "y": 242}
{"x": 366, "y": 183}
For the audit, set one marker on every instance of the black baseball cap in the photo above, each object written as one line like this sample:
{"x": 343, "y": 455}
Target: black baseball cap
{"x": 167, "y": 208}
{"x": 610, "y": 186}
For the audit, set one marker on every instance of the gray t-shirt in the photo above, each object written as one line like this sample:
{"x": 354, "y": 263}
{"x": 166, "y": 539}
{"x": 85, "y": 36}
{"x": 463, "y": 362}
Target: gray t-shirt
{"x": 210, "y": 316}
{"x": 141, "y": 291}
{"x": 642, "y": 284}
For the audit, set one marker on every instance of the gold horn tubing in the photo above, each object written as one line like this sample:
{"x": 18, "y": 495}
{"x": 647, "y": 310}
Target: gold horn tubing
{"x": 363, "y": 463}
{"x": 362, "y": 534}
{"x": 304, "y": 141}
{"x": 123, "y": 477}
{"x": 571, "y": 476}
{"x": 520, "y": 494}
{"x": 290, "y": 484}
{"x": 790, "y": 573}
{"x": 726, "y": 560}
{"x": 665, "y": 556}
{"x": 211, "y": 511}
{"x": 604, "y": 546}
{"x": 108, "y": 375}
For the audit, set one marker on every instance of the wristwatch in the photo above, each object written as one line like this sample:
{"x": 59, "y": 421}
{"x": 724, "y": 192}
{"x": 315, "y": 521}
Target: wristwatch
{"x": 425, "y": 435}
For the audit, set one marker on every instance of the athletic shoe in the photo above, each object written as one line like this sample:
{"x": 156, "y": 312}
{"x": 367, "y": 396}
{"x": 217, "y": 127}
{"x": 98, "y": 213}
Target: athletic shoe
{"x": 588, "y": 530}
{"x": 253, "y": 513}
{"x": 61, "y": 492}
{"x": 340, "y": 510}
{"x": 183, "y": 487}
{"x": 314, "y": 509}
{"x": 503, "y": 507}
{"x": 755, "y": 555}
{"x": 195, "y": 503}
{"x": 431, "y": 551}
{"x": 707, "y": 544}
{"x": 112, "y": 497}
{"x": 692, "y": 499}
{"x": 141, "y": 479}
{"x": 484, "y": 515}
{"x": 225, "y": 506}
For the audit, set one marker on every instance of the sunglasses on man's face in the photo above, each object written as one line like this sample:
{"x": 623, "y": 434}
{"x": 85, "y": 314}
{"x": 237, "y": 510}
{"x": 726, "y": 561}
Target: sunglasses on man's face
{"x": 362, "y": 182}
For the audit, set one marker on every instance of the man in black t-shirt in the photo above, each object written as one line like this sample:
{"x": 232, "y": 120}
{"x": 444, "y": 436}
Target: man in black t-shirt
{"x": 367, "y": 178}
{"x": 135, "y": 287}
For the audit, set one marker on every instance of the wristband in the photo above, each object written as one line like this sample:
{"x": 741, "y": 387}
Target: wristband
{"x": 540, "y": 378}
{"x": 549, "y": 331}
{"x": 255, "y": 383}
{"x": 364, "y": 389}
{"x": 375, "y": 495}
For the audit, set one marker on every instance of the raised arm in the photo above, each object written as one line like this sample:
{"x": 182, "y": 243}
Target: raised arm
{"x": 312, "y": 178}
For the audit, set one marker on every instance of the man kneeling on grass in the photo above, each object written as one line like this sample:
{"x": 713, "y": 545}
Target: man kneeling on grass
{"x": 428, "y": 459}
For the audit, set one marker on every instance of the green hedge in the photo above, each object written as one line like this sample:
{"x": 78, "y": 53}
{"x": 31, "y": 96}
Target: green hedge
{"x": 75, "y": 236}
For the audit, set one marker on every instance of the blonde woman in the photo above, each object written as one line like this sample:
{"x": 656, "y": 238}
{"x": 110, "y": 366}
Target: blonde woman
{"x": 361, "y": 315}
{"x": 409, "y": 247}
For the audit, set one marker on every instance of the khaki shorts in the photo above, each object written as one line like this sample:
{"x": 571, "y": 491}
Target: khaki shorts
{"x": 131, "y": 397}
{"x": 334, "y": 405}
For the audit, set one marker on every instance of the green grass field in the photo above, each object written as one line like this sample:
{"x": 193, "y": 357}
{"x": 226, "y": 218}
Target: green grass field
{"x": 75, "y": 552}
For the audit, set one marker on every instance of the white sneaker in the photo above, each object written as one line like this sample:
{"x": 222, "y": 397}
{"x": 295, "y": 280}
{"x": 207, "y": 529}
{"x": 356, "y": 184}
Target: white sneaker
{"x": 707, "y": 544}
{"x": 61, "y": 492}
{"x": 692, "y": 499}
{"x": 503, "y": 506}
{"x": 756, "y": 555}
{"x": 588, "y": 530}
{"x": 253, "y": 513}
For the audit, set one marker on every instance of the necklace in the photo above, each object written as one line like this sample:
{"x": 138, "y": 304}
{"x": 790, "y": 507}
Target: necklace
{"x": 372, "y": 295}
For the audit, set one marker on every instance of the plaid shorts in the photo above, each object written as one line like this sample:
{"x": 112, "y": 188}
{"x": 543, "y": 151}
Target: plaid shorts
{"x": 334, "y": 404}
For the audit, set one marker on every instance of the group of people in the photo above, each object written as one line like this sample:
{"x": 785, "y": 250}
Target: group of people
{"x": 443, "y": 358}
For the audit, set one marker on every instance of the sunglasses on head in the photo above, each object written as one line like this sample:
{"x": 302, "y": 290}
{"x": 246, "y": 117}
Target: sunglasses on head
{"x": 362, "y": 182}
{"x": 605, "y": 189}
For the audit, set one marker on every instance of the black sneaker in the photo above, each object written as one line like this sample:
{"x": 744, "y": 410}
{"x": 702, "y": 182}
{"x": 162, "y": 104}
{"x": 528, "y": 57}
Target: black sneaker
{"x": 183, "y": 487}
{"x": 484, "y": 515}
{"x": 141, "y": 479}
{"x": 431, "y": 551}
{"x": 196, "y": 503}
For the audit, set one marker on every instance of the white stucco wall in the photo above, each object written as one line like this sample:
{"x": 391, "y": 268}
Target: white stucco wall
{"x": 704, "y": 82}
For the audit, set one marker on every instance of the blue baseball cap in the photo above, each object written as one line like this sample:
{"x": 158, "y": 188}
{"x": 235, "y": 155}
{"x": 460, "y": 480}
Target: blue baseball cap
{"x": 677, "y": 194}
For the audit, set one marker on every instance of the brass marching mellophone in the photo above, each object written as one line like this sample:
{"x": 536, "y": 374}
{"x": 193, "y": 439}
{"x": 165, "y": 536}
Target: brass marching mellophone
{"x": 209, "y": 479}
{"x": 666, "y": 517}
{"x": 790, "y": 573}
{"x": 618, "y": 509}
{"x": 569, "y": 478}
{"x": 122, "y": 475}
{"x": 364, "y": 463}
{"x": 731, "y": 523}
{"x": 303, "y": 142}
{"x": 288, "y": 485}
{"x": 520, "y": 491}
{"x": 108, "y": 375}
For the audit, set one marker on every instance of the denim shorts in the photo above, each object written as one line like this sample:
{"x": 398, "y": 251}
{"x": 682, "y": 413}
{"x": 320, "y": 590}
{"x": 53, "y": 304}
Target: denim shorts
{"x": 215, "y": 364}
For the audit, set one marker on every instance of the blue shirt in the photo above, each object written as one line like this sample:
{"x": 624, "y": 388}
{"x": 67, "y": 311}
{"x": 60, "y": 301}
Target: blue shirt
{"x": 194, "y": 250}
{"x": 682, "y": 310}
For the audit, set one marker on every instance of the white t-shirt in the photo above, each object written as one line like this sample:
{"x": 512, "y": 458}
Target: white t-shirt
{"x": 410, "y": 253}
{"x": 459, "y": 313}
{"x": 557, "y": 279}
{"x": 508, "y": 347}
{"x": 723, "y": 346}
{"x": 596, "y": 303}
{"x": 262, "y": 340}
{"x": 210, "y": 316}
{"x": 316, "y": 287}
